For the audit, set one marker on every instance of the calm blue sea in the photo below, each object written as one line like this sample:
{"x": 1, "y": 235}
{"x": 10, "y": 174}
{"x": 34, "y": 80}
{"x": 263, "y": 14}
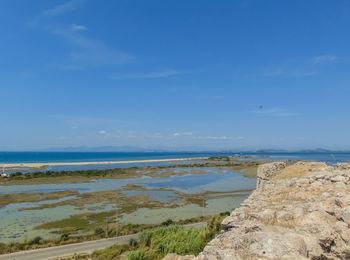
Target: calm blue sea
{"x": 26, "y": 157}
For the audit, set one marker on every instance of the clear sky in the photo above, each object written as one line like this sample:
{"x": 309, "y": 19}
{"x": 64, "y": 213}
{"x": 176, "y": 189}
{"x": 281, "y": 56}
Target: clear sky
{"x": 175, "y": 73}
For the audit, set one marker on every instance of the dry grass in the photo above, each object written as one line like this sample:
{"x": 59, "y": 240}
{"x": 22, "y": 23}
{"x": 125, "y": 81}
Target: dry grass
{"x": 293, "y": 171}
{"x": 299, "y": 170}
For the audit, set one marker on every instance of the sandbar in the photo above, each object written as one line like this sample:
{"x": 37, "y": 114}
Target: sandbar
{"x": 38, "y": 165}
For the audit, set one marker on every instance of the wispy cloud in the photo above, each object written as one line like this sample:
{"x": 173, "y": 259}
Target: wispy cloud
{"x": 183, "y": 134}
{"x": 194, "y": 136}
{"x": 308, "y": 67}
{"x": 149, "y": 75}
{"x": 76, "y": 27}
{"x": 117, "y": 134}
{"x": 285, "y": 71}
{"x": 88, "y": 122}
{"x": 84, "y": 51}
{"x": 43, "y": 17}
{"x": 223, "y": 137}
{"x": 325, "y": 59}
{"x": 274, "y": 112}
{"x": 89, "y": 52}
{"x": 102, "y": 132}
{"x": 63, "y": 8}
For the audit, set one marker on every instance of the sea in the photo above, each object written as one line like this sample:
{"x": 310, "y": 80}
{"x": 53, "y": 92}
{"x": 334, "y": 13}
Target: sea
{"x": 68, "y": 157}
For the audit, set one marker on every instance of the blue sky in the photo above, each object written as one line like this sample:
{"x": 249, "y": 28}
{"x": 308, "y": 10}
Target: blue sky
{"x": 176, "y": 74}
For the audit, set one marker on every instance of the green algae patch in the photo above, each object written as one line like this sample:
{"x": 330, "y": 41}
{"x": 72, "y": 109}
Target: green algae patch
{"x": 129, "y": 204}
{"x": 122, "y": 205}
{"x": 6, "y": 199}
{"x": 77, "y": 223}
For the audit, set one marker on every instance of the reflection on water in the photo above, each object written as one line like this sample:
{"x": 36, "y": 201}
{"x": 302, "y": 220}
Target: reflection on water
{"x": 192, "y": 183}
{"x": 14, "y": 222}
{"x": 161, "y": 195}
{"x": 154, "y": 216}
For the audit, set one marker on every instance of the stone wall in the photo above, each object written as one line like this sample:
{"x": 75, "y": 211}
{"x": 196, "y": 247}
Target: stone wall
{"x": 299, "y": 211}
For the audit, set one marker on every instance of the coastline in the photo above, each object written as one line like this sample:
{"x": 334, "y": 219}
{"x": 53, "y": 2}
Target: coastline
{"x": 38, "y": 165}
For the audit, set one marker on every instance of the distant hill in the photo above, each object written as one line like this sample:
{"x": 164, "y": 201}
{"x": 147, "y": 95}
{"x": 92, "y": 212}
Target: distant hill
{"x": 126, "y": 149}
{"x": 183, "y": 149}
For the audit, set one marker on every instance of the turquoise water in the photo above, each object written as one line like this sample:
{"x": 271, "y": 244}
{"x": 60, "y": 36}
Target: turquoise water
{"x": 26, "y": 157}
{"x": 42, "y": 157}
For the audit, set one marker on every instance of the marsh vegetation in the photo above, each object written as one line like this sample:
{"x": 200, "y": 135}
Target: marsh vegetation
{"x": 135, "y": 198}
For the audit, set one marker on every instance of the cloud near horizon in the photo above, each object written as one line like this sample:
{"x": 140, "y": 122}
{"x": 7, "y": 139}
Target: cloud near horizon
{"x": 276, "y": 111}
{"x": 149, "y": 75}
{"x": 157, "y": 135}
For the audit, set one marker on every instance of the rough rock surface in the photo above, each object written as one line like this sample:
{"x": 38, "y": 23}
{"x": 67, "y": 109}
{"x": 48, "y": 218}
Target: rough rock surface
{"x": 299, "y": 211}
{"x": 178, "y": 257}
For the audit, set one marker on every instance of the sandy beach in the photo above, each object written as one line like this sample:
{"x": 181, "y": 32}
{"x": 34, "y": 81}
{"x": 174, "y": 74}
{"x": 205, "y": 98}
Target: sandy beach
{"x": 38, "y": 165}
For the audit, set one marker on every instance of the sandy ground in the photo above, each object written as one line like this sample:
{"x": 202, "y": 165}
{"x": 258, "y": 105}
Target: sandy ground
{"x": 38, "y": 165}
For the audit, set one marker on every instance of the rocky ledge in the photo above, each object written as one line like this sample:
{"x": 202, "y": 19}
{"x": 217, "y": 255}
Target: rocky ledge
{"x": 298, "y": 211}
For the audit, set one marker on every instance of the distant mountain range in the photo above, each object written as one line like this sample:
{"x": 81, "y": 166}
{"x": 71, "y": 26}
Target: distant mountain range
{"x": 183, "y": 149}
{"x": 125, "y": 149}
{"x": 316, "y": 150}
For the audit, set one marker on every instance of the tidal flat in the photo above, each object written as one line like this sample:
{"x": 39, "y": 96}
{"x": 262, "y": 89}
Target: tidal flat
{"x": 79, "y": 202}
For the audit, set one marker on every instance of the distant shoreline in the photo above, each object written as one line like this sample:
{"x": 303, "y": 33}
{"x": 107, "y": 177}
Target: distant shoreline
{"x": 38, "y": 165}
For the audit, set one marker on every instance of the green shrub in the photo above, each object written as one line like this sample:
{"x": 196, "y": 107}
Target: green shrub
{"x": 133, "y": 243}
{"x": 64, "y": 237}
{"x": 35, "y": 241}
{"x": 3, "y": 248}
{"x": 99, "y": 231}
{"x": 175, "y": 239}
{"x": 136, "y": 255}
{"x": 168, "y": 222}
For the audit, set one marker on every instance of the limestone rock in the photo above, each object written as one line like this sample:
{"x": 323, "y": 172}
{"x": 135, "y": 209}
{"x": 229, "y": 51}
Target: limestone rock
{"x": 178, "y": 257}
{"x": 304, "y": 216}
{"x": 266, "y": 171}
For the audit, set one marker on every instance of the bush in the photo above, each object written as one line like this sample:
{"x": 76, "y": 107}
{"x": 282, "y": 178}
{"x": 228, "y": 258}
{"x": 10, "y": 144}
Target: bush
{"x": 99, "y": 231}
{"x": 226, "y": 213}
{"x": 64, "y": 237}
{"x": 3, "y": 248}
{"x": 175, "y": 239}
{"x": 133, "y": 243}
{"x": 35, "y": 241}
{"x": 136, "y": 255}
{"x": 168, "y": 222}
{"x": 155, "y": 243}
